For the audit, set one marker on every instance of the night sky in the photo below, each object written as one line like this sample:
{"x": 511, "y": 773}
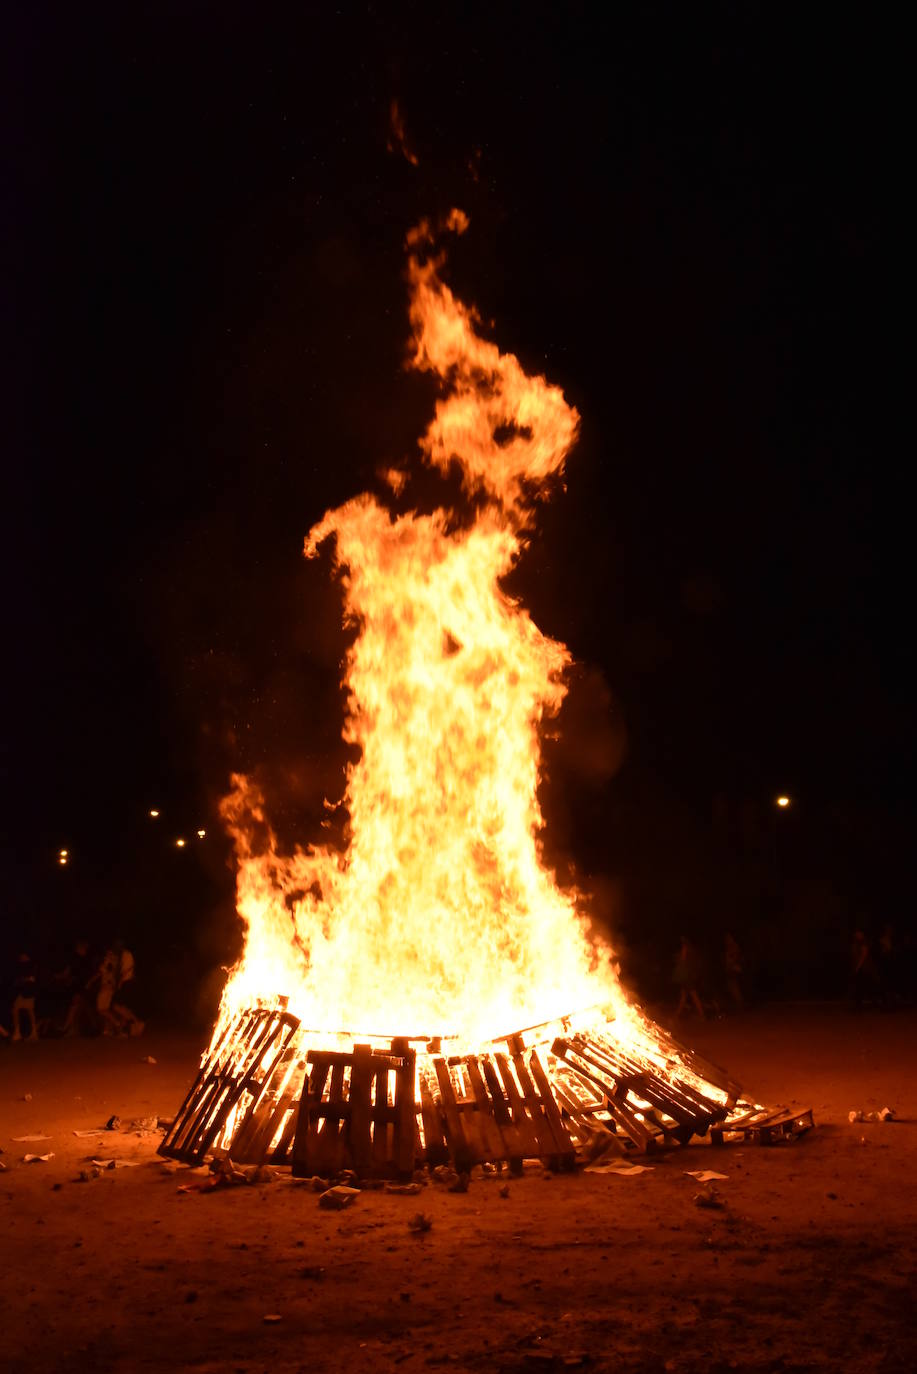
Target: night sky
{"x": 679, "y": 218}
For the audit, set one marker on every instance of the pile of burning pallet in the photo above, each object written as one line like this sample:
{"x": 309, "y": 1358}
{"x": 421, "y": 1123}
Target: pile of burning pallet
{"x": 553, "y": 1093}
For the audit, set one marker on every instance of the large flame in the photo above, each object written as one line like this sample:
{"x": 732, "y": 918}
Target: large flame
{"x": 440, "y": 918}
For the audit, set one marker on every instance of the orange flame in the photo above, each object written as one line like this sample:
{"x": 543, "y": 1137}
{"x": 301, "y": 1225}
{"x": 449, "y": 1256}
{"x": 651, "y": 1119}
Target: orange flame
{"x": 440, "y": 918}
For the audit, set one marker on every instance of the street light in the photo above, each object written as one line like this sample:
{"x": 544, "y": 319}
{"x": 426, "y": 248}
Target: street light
{"x": 153, "y": 812}
{"x": 180, "y": 844}
{"x": 783, "y": 802}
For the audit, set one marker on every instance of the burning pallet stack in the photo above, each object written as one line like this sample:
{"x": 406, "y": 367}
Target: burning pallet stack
{"x": 556, "y": 1094}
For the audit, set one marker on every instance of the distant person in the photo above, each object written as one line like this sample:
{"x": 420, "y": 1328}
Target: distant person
{"x": 864, "y": 976}
{"x": 115, "y": 972}
{"x": 24, "y": 988}
{"x": 687, "y": 978}
{"x": 80, "y": 1017}
{"x": 732, "y": 965}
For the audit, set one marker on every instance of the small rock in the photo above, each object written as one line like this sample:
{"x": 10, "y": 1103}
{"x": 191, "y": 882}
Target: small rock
{"x": 113, "y": 1123}
{"x": 461, "y": 1184}
{"x": 420, "y": 1222}
{"x": 26, "y": 1097}
{"x": 148, "y": 1059}
{"x": 338, "y": 1197}
{"x": 314, "y": 1272}
{"x": 504, "y": 1191}
{"x": 191, "y": 1295}
{"x": 708, "y": 1198}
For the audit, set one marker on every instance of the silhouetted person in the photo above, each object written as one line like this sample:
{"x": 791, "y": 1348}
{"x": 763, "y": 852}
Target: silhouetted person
{"x": 115, "y": 972}
{"x": 24, "y": 997}
{"x": 687, "y": 977}
{"x": 80, "y": 1012}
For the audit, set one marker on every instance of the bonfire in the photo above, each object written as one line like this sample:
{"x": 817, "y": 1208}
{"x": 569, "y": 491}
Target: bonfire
{"x": 430, "y": 994}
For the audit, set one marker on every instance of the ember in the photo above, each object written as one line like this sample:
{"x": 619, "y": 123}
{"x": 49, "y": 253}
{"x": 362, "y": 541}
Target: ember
{"x": 440, "y": 921}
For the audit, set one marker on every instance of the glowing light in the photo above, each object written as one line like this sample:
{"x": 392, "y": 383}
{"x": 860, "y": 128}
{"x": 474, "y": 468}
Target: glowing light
{"x": 180, "y": 844}
{"x": 201, "y": 834}
{"x": 153, "y": 812}
{"x": 783, "y": 802}
{"x": 64, "y": 853}
{"x": 62, "y": 860}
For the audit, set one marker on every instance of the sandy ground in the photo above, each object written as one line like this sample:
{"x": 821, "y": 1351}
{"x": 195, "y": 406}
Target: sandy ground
{"x": 810, "y": 1264}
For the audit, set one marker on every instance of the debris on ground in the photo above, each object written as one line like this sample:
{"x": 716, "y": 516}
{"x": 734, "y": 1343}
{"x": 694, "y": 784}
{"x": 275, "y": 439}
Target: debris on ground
{"x": 705, "y": 1175}
{"x": 37, "y": 1159}
{"x": 411, "y": 1188}
{"x": 113, "y": 1123}
{"x": 316, "y": 1272}
{"x": 96, "y": 1130}
{"x": 29, "y": 1139}
{"x": 144, "y": 1125}
{"x": 87, "y": 1175}
{"x": 420, "y": 1222}
{"x": 504, "y": 1191}
{"x": 338, "y": 1197}
{"x": 709, "y": 1198}
{"x": 147, "y": 1059}
{"x": 272, "y": 1317}
{"x": 115, "y": 1163}
{"x": 618, "y": 1166}
{"x": 460, "y": 1185}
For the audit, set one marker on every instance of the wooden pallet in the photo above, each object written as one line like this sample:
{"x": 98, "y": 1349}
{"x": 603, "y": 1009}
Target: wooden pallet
{"x": 651, "y": 1109}
{"x": 357, "y": 1112}
{"x": 233, "y": 1084}
{"x": 763, "y": 1125}
{"x": 491, "y": 1108}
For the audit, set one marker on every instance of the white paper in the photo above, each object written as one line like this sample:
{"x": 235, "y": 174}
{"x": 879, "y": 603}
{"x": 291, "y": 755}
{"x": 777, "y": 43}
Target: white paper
{"x": 704, "y": 1175}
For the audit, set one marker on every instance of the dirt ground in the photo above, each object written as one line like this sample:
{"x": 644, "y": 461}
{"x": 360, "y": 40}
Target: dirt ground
{"x": 809, "y": 1265}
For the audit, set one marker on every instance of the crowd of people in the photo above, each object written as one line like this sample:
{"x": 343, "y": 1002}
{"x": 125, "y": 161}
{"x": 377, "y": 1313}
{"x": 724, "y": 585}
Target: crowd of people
{"x": 89, "y": 995}
{"x": 878, "y": 974}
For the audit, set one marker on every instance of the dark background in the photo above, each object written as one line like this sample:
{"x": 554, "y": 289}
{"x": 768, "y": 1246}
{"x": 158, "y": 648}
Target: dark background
{"x": 680, "y": 218}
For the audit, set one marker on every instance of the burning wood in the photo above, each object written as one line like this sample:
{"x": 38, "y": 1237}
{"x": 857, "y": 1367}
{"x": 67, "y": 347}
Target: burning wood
{"x": 441, "y": 913}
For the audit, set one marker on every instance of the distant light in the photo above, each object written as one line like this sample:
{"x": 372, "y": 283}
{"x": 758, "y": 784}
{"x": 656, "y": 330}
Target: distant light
{"x": 64, "y": 853}
{"x": 783, "y": 801}
{"x": 201, "y": 834}
{"x": 62, "y": 860}
{"x": 153, "y": 812}
{"x": 180, "y": 844}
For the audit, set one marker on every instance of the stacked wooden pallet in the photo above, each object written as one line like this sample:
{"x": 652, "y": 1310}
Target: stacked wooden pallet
{"x": 263, "y": 1096}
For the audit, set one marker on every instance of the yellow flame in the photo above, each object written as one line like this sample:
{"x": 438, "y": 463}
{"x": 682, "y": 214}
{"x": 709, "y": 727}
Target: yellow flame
{"x": 440, "y": 918}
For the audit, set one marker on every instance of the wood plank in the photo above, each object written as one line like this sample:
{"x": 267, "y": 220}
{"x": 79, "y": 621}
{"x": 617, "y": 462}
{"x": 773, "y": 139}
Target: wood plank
{"x": 513, "y": 1141}
{"x": 492, "y": 1139}
{"x": 547, "y": 1145}
{"x": 435, "y": 1147}
{"x": 529, "y": 1139}
{"x": 459, "y": 1147}
{"x": 562, "y": 1142}
{"x": 405, "y": 1109}
{"x": 360, "y": 1124}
